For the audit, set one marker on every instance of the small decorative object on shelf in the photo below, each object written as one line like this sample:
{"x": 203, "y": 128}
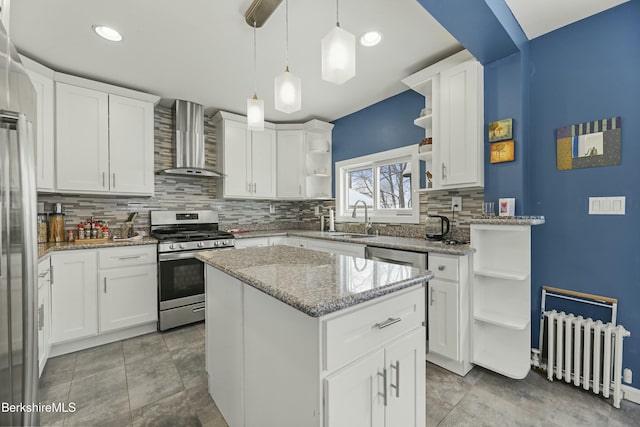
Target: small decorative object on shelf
{"x": 507, "y": 207}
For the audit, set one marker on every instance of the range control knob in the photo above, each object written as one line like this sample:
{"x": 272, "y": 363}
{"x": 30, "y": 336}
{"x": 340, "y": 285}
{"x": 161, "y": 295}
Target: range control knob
{"x": 216, "y": 243}
{"x": 201, "y": 244}
{"x": 172, "y": 246}
{"x": 182, "y": 246}
{"x": 225, "y": 242}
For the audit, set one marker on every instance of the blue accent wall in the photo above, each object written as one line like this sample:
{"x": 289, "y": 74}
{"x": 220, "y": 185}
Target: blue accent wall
{"x": 588, "y": 71}
{"x": 379, "y": 127}
{"x": 503, "y": 99}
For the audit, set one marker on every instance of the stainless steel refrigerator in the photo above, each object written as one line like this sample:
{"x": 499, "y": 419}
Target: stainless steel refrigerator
{"x": 18, "y": 248}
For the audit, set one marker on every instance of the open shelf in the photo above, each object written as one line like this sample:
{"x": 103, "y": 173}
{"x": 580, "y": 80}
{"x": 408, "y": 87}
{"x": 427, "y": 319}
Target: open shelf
{"x": 501, "y": 274}
{"x": 425, "y": 122}
{"x": 501, "y": 319}
{"x": 502, "y": 350}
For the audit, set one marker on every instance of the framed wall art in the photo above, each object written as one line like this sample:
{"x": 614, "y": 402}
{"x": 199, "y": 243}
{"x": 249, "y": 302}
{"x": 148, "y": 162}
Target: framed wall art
{"x": 501, "y": 130}
{"x": 589, "y": 144}
{"x": 503, "y": 151}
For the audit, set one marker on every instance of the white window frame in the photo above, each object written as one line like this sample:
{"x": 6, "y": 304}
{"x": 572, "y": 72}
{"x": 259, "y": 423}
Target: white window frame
{"x": 403, "y": 216}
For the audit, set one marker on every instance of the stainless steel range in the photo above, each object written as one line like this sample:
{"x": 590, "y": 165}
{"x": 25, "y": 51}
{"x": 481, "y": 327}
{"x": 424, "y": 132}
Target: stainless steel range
{"x": 182, "y": 234}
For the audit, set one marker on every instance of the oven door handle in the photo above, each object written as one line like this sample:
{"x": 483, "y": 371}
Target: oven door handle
{"x": 176, "y": 255}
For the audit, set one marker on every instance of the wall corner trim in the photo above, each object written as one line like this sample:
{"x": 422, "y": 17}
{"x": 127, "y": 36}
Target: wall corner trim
{"x": 631, "y": 394}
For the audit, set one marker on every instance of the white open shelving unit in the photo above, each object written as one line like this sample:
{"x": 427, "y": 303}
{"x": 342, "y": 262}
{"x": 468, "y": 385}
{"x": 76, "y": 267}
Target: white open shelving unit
{"x": 501, "y": 295}
{"x": 318, "y": 162}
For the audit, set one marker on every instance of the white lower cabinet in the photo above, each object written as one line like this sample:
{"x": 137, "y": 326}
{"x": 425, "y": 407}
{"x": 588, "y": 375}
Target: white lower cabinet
{"x": 380, "y": 389}
{"x": 44, "y": 314}
{"x": 348, "y": 368}
{"x": 448, "y": 307}
{"x": 95, "y": 292}
{"x": 127, "y": 297}
{"x": 74, "y": 295}
{"x": 252, "y": 242}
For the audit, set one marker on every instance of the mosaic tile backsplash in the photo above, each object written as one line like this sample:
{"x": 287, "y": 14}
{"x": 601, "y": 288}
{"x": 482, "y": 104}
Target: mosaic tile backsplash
{"x": 178, "y": 193}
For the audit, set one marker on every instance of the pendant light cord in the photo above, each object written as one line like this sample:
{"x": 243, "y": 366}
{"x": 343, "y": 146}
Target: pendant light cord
{"x": 337, "y": 13}
{"x": 255, "y": 62}
{"x": 286, "y": 51}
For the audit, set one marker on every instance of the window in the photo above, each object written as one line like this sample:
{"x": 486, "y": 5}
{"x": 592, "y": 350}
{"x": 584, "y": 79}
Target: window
{"x": 384, "y": 181}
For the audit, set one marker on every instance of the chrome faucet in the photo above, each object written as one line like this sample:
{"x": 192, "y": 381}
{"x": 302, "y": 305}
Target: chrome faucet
{"x": 367, "y": 224}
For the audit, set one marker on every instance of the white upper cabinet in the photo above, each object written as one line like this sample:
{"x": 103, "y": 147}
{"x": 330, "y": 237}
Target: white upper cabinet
{"x": 130, "y": 145}
{"x": 42, "y": 79}
{"x": 291, "y": 164}
{"x": 287, "y": 161}
{"x": 248, "y": 158}
{"x": 82, "y": 139}
{"x": 454, "y": 110}
{"x": 460, "y": 149}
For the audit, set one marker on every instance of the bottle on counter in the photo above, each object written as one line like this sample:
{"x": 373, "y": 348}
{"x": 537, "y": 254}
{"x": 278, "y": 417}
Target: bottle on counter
{"x": 81, "y": 231}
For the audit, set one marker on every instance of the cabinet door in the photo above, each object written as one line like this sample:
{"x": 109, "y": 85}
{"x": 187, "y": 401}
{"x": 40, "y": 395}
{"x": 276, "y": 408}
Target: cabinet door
{"x": 130, "y": 146}
{"x": 44, "y": 131}
{"x": 354, "y": 396}
{"x": 290, "y": 165}
{"x": 255, "y": 242}
{"x": 263, "y": 163}
{"x": 443, "y": 318}
{"x": 82, "y": 139}
{"x": 406, "y": 376}
{"x": 460, "y": 134}
{"x": 236, "y": 152}
{"x": 128, "y": 297}
{"x": 74, "y": 299}
{"x": 44, "y": 323}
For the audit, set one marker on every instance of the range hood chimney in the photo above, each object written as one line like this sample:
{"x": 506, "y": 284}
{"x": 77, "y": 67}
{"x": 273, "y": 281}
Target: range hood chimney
{"x": 189, "y": 141}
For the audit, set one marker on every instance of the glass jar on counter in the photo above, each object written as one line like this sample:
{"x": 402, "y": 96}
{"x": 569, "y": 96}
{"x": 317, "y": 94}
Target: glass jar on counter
{"x": 70, "y": 236}
{"x": 42, "y": 227}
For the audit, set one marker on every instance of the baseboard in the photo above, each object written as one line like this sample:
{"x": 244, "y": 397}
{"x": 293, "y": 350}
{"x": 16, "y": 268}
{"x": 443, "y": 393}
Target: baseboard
{"x": 82, "y": 344}
{"x": 631, "y": 394}
{"x": 459, "y": 368}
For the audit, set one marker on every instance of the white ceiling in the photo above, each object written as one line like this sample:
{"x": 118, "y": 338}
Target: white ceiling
{"x": 201, "y": 50}
{"x": 538, "y": 17}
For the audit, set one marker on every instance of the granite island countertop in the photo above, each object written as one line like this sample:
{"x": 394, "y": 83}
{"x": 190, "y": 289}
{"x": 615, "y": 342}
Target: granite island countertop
{"x": 46, "y": 248}
{"x": 390, "y": 242}
{"x": 315, "y": 283}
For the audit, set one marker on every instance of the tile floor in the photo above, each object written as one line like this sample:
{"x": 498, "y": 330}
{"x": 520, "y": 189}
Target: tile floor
{"x": 159, "y": 380}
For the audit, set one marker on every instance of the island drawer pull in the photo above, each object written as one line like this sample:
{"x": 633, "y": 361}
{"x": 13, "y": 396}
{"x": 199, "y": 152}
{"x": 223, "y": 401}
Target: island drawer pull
{"x": 390, "y": 321}
{"x": 195, "y": 310}
{"x": 441, "y": 267}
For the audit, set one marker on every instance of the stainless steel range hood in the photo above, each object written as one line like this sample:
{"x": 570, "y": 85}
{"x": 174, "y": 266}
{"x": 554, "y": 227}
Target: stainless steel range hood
{"x": 189, "y": 143}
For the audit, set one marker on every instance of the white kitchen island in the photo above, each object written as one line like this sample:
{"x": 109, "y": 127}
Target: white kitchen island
{"x": 299, "y": 338}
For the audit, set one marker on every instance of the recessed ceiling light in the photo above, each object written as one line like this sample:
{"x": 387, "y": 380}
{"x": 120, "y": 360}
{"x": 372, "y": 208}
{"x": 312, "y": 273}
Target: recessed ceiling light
{"x": 370, "y": 38}
{"x": 107, "y": 33}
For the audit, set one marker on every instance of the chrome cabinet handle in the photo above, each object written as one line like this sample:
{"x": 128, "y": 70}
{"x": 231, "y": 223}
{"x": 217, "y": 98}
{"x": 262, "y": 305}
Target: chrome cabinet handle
{"x": 103, "y": 179}
{"x": 431, "y": 299}
{"x": 51, "y": 274}
{"x": 390, "y": 321}
{"x": 444, "y": 171}
{"x": 384, "y": 385}
{"x": 299, "y": 189}
{"x": 105, "y": 285}
{"x": 195, "y": 310}
{"x": 255, "y": 187}
{"x": 41, "y": 317}
{"x": 441, "y": 267}
{"x": 114, "y": 180}
{"x": 396, "y": 386}
{"x": 130, "y": 257}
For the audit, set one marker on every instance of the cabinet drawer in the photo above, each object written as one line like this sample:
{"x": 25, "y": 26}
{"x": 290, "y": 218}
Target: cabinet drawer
{"x": 354, "y": 334}
{"x": 126, "y": 256}
{"x": 444, "y": 266}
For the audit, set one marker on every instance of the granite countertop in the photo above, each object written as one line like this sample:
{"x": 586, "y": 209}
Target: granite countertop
{"x": 510, "y": 220}
{"x": 391, "y": 242}
{"x": 46, "y": 248}
{"x": 315, "y": 283}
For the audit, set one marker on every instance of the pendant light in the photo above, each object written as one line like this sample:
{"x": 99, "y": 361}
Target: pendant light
{"x": 255, "y": 106}
{"x": 338, "y": 54}
{"x": 287, "y": 86}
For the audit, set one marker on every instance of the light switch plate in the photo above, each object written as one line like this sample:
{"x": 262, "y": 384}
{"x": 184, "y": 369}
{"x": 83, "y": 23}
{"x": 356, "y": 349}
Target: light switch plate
{"x": 607, "y": 205}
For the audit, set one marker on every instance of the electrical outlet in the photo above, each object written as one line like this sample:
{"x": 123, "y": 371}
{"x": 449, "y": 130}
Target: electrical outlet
{"x": 627, "y": 376}
{"x": 272, "y": 209}
{"x": 456, "y": 204}
{"x": 316, "y": 210}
